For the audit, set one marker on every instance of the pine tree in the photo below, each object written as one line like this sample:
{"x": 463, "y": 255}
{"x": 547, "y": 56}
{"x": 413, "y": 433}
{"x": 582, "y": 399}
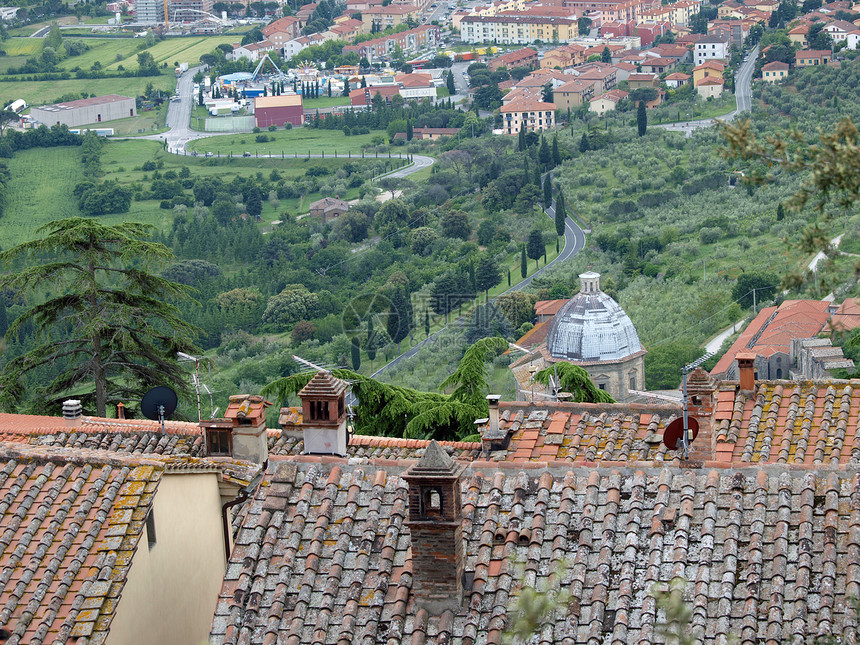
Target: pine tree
{"x": 560, "y": 212}
{"x": 524, "y": 266}
{"x": 356, "y": 354}
{"x": 449, "y": 81}
{"x": 547, "y": 190}
{"x": 556, "y": 155}
{"x": 641, "y": 119}
{"x": 121, "y": 334}
{"x": 535, "y": 247}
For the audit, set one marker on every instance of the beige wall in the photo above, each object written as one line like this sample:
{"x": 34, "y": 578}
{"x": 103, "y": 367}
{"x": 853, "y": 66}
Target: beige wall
{"x": 170, "y": 594}
{"x": 616, "y": 377}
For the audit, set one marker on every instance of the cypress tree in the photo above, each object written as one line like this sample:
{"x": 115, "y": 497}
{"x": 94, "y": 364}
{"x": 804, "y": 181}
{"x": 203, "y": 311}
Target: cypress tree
{"x": 345, "y": 87}
{"x": 509, "y": 277}
{"x": 409, "y": 131}
{"x": 371, "y": 341}
{"x": 427, "y": 322}
{"x": 547, "y": 190}
{"x": 521, "y": 141}
{"x": 329, "y": 88}
{"x": 544, "y": 155}
{"x": 524, "y": 266}
{"x": 560, "y": 213}
{"x": 356, "y": 355}
{"x": 780, "y": 213}
{"x": 537, "y": 178}
{"x": 4, "y": 321}
{"x": 556, "y": 155}
{"x": 449, "y": 81}
{"x": 641, "y": 119}
{"x": 583, "y": 143}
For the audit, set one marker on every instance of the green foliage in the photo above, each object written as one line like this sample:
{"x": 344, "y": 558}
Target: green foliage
{"x": 764, "y": 284}
{"x": 641, "y": 118}
{"x": 573, "y": 379}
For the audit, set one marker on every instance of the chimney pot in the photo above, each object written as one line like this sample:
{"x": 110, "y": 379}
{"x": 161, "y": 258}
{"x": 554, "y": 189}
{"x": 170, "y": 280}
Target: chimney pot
{"x": 72, "y": 411}
{"x": 746, "y": 371}
{"x": 120, "y": 411}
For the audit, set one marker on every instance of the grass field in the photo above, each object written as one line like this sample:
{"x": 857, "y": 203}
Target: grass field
{"x": 8, "y": 62}
{"x": 41, "y": 92}
{"x": 295, "y": 141}
{"x": 23, "y": 46}
{"x": 326, "y": 101}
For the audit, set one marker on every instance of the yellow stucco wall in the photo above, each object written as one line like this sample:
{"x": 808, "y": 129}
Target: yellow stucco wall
{"x": 170, "y": 594}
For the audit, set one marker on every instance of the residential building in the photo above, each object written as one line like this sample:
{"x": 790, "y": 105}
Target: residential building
{"x": 380, "y": 18}
{"x": 346, "y": 30}
{"x": 563, "y": 57}
{"x": 434, "y": 133}
{"x": 710, "y": 87}
{"x": 254, "y": 51}
{"x": 149, "y": 12}
{"x": 677, "y": 14}
{"x": 517, "y": 29}
{"x": 282, "y": 30}
{"x": 611, "y": 10}
{"x": 527, "y": 114}
{"x": 416, "y": 86}
{"x": 839, "y": 30}
{"x": 852, "y": 39}
{"x": 278, "y": 110}
{"x": 363, "y": 96}
{"x": 710, "y": 48}
{"x": 606, "y": 102}
{"x": 768, "y": 337}
{"x": 636, "y": 81}
{"x": 708, "y": 69}
{"x": 775, "y": 71}
{"x": 525, "y": 57}
{"x": 816, "y": 359}
{"x": 573, "y": 94}
{"x": 410, "y": 41}
{"x": 676, "y": 80}
{"x": 812, "y": 57}
{"x": 606, "y": 75}
{"x": 328, "y": 208}
{"x": 658, "y": 65}
{"x": 846, "y": 317}
{"x": 732, "y": 31}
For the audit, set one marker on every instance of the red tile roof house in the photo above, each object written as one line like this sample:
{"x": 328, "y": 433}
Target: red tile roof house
{"x": 402, "y": 541}
{"x": 526, "y": 57}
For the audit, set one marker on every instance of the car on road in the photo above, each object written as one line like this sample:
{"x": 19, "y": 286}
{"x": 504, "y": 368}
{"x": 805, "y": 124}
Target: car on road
{"x": 210, "y": 154}
{"x": 246, "y": 154}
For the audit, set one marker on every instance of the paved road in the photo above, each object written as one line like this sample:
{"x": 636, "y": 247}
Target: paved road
{"x": 574, "y": 242}
{"x": 743, "y": 94}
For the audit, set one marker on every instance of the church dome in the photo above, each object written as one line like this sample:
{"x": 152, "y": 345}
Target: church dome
{"x": 591, "y": 327}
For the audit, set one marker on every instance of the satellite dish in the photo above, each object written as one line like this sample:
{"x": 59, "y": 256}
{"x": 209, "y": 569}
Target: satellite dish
{"x": 675, "y": 430}
{"x": 157, "y": 404}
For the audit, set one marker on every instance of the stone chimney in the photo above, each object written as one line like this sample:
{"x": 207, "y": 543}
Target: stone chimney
{"x": 242, "y": 432}
{"x": 700, "y": 392}
{"x": 72, "y": 412}
{"x": 492, "y": 436}
{"x": 435, "y": 515}
{"x": 746, "y": 370}
{"x": 324, "y": 415}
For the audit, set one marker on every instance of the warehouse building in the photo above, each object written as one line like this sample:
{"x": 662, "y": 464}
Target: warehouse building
{"x": 96, "y": 109}
{"x": 278, "y": 110}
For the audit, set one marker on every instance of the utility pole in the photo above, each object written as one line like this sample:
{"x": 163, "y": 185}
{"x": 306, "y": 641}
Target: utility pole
{"x": 755, "y": 311}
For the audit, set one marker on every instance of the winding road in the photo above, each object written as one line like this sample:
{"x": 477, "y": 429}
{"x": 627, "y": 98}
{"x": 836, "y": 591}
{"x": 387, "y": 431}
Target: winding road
{"x": 743, "y": 94}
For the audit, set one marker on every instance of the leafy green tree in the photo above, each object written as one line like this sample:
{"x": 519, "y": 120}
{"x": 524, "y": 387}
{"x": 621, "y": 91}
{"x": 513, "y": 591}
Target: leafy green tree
{"x": 488, "y": 97}
{"x": 524, "y": 267}
{"x": 818, "y": 38}
{"x": 535, "y": 247}
{"x": 606, "y": 55}
{"x": 641, "y": 119}
{"x": 487, "y": 274}
{"x": 115, "y": 332}
{"x": 517, "y": 307}
{"x": 254, "y": 204}
{"x": 546, "y": 93}
{"x": 764, "y": 284}
{"x": 455, "y": 223}
{"x": 295, "y": 302}
{"x": 583, "y": 143}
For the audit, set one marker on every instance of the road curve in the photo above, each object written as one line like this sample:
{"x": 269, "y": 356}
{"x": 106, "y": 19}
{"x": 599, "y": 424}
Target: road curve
{"x": 574, "y": 242}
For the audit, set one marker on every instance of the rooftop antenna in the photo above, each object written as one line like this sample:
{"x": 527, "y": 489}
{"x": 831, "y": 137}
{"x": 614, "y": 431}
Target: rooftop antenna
{"x": 195, "y": 378}
{"x": 212, "y": 409}
{"x": 690, "y": 425}
{"x": 159, "y": 403}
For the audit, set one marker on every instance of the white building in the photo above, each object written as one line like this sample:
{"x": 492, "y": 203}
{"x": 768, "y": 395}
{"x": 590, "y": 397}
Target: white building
{"x": 149, "y": 12}
{"x": 711, "y": 48}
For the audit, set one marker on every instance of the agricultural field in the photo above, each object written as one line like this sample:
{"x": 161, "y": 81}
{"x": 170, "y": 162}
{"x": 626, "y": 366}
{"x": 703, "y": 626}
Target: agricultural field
{"x": 325, "y": 102}
{"x": 23, "y": 46}
{"x": 296, "y": 141}
{"x": 42, "y": 92}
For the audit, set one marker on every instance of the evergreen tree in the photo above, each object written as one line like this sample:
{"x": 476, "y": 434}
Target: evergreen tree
{"x": 371, "y": 341}
{"x": 427, "y": 322}
{"x": 398, "y": 323}
{"x": 254, "y": 204}
{"x": 524, "y": 266}
{"x": 121, "y": 334}
{"x": 509, "y": 277}
{"x": 583, "y": 143}
{"x": 780, "y": 213}
{"x": 409, "y": 130}
{"x": 200, "y": 97}
{"x": 560, "y": 212}
{"x": 547, "y": 190}
{"x": 363, "y": 82}
{"x": 606, "y": 55}
{"x": 556, "y": 155}
{"x": 641, "y": 119}
{"x": 487, "y": 275}
{"x": 4, "y": 321}
{"x": 449, "y": 81}
{"x": 521, "y": 139}
{"x": 544, "y": 155}
{"x": 345, "y": 87}
{"x": 536, "y": 178}
{"x": 356, "y": 354}
{"x": 535, "y": 247}
{"x": 329, "y": 88}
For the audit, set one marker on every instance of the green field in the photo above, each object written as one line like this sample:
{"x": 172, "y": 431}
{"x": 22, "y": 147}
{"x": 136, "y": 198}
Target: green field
{"x": 23, "y": 46}
{"x": 41, "y": 92}
{"x": 296, "y": 141}
{"x": 326, "y": 101}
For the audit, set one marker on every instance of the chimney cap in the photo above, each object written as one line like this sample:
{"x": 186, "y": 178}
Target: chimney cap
{"x": 323, "y": 384}
{"x": 434, "y": 463}
{"x": 493, "y": 399}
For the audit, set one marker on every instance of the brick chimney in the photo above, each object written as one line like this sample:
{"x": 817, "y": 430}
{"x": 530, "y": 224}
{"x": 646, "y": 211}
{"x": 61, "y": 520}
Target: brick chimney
{"x": 492, "y": 436}
{"x": 746, "y": 370}
{"x": 242, "y": 432}
{"x": 324, "y": 415}
{"x": 700, "y": 392}
{"x": 435, "y": 515}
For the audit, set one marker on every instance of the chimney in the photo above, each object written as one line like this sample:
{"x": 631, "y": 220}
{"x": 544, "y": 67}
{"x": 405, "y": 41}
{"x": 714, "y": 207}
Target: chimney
{"x": 242, "y": 432}
{"x": 120, "y": 411}
{"x": 435, "y": 515}
{"x": 746, "y": 370}
{"x": 700, "y": 392}
{"x": 72, "y": 412}
{"x": 492, "y": 436}
{"x": 324, "y": 415}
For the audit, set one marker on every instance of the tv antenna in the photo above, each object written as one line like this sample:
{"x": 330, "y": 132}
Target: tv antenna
{"x": 690, "y": 426}
{"x": 195, "y": 378}
{"x": 158, "y": 404}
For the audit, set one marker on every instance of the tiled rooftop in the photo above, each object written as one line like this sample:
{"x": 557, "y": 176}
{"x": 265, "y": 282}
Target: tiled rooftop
{"x": 770, "y": 555}
{"x": 69, "y": 524}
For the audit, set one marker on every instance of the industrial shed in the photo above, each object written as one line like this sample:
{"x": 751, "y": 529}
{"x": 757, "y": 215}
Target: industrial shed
{"x": 278, "y": 110}
{"x": 96, "y": 109}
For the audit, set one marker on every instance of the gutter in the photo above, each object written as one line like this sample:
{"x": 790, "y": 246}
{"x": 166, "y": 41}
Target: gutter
{"x": 243, "y": 495}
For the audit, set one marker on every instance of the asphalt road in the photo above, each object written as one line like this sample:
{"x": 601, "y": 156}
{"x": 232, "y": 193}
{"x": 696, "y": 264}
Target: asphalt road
{"x": 743, "y": 94}
{"x": 574, "y": 242}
